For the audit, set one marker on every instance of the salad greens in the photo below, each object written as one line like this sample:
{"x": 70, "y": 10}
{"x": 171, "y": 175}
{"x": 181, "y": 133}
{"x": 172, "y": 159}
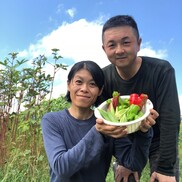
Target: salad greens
{"x": 123, "y": 110}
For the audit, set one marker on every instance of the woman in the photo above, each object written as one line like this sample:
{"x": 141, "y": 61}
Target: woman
{"x": 76, "y": 151}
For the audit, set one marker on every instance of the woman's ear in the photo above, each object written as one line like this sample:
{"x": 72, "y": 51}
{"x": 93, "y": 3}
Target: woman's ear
{"x": 68, "y": 86}
{"x": 101, "y": 90}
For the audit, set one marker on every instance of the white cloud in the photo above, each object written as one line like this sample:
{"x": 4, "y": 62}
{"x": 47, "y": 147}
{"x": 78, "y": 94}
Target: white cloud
{"x": 147, "y": 50}
{"x": 23, "y": 53}
{"x": 71, "y": 12}
{"x": 80, "y": 40}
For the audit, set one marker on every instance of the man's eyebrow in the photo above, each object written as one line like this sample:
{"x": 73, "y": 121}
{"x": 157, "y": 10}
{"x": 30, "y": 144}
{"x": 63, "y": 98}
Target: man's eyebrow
{"x": 110, "y": 41}
{"x": 125, "y": 38}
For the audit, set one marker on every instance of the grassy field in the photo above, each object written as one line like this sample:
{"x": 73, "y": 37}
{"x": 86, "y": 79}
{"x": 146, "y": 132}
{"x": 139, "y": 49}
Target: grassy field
{"x": 22, "y": 166}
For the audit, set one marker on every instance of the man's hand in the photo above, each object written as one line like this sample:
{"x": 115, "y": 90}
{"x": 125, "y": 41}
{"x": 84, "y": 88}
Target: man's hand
{"x": 110, "y": 130}
{"x": 149, "y": 121}
{"x": 124, "y": 173}
{"x": 161, "y": 178}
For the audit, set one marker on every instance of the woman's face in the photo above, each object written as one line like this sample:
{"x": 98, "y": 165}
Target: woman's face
{"x": 83, "y": 89}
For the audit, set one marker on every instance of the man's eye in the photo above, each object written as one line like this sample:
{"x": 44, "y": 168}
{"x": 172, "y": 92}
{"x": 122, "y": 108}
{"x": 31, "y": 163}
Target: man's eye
{"x": 111, "y": 45}
{"x": 126, "y": 42}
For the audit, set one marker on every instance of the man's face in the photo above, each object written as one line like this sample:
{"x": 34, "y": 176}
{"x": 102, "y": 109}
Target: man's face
{"x": 121, "y": 45}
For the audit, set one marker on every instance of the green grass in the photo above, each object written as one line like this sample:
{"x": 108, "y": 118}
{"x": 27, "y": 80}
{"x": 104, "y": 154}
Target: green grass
{"x": 22, "y": 166}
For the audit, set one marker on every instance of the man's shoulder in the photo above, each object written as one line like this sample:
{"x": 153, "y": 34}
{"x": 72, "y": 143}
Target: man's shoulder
{"x": 155, "y": 61}
{"x": 108, "y": 68}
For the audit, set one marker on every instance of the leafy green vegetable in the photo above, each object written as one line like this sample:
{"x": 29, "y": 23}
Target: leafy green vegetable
{"x": 123, "y": 110}
{"x": 108, "y": 115}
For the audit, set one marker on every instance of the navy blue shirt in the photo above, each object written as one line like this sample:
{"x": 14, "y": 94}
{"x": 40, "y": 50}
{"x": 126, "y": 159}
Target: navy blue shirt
{"x": 77, "y": 152}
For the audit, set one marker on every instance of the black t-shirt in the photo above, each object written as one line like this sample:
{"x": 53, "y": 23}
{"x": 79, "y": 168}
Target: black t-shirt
{"x": 156, "y": 78}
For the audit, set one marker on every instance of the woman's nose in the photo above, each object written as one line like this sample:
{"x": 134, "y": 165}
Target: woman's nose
{"x": 84, "y": 87}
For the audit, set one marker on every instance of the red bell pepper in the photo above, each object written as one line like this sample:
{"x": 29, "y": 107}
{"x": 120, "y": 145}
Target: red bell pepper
{"x": 139, "y": 100}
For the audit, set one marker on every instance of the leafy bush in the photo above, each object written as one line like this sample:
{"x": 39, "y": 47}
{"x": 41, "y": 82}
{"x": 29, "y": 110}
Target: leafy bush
{"x": 23, "y": 101}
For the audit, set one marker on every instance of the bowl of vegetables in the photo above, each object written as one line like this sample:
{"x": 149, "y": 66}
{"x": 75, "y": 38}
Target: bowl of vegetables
{"x": 126, "y": 110}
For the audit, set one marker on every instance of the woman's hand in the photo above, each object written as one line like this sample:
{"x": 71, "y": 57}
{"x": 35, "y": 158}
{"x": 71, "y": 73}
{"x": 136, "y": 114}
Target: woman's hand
{"x": 149, "y": 121}
{"x": 110, "y": 130}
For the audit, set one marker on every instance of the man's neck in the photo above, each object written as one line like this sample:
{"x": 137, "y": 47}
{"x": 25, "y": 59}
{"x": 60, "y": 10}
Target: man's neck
{"x": 129, "y": 72}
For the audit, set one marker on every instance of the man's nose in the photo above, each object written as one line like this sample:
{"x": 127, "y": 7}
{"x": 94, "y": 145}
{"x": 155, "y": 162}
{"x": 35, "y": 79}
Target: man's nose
{"x": 119, "y": 49}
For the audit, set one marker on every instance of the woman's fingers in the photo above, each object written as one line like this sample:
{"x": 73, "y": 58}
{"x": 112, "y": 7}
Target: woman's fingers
{"x": 110, "y": 130}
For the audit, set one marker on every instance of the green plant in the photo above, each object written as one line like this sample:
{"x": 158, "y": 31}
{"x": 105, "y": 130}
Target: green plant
{"x": 23, "y": 101}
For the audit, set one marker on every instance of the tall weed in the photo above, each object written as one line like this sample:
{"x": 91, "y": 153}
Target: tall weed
{"x": 23, "y": 102}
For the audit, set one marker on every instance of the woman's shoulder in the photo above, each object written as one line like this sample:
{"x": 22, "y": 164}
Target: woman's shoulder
{"x": 55, "y": 113}
{"x": 55, "y": 116}
{"x": 54, "y": 120}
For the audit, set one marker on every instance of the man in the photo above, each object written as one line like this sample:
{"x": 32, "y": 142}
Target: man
{"x": 129, "y": 73}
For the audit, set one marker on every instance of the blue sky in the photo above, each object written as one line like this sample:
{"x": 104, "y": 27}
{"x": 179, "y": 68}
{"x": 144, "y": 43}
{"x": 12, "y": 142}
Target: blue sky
{"x": 35, "y": 27}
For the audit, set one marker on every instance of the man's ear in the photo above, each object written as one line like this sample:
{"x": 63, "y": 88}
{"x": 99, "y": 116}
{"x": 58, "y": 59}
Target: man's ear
{"x": 103, "y": 48}
{"x": 139, "y": 43}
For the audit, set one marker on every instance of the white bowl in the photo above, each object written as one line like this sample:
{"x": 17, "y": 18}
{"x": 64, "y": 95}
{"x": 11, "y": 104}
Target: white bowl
{"x": 132, "y": 126}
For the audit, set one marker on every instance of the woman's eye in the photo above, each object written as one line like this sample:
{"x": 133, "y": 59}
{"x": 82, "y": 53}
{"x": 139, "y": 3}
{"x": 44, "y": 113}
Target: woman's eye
{"x": 78, "y": 82}
{"x": 93, "y": 84}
